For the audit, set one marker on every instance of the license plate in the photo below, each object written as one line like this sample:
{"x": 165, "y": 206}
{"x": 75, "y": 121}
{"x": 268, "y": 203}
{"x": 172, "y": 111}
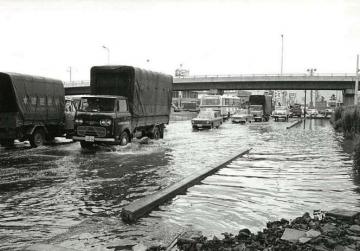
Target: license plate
{"x": 90, "y": 138}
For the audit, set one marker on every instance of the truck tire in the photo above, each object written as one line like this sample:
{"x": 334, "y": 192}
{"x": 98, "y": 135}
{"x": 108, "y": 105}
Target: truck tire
{"x": 162, "y": 128}
{"x": 86, "y": 145}
{"x": 156, "y": 134}
{"x": 7, "y": 142}
{"x": 124, "y": 139}
{"x": 37, "y": 138}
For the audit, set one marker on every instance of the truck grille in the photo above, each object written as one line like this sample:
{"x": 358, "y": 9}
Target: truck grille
{"x": 91, "y": 131}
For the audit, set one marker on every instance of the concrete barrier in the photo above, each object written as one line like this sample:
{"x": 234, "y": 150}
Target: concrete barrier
{"x": 294, "y": 124}
{"x": 140, "y": 207}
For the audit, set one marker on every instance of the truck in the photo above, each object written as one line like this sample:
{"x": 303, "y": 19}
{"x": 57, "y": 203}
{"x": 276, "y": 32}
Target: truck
{"x": 260, "y": 107}
{"x": 190, "y": 106}
{"x": 33, "y": 108}
{"x": 295, "y": 110}
{"x": 125, "y": 102}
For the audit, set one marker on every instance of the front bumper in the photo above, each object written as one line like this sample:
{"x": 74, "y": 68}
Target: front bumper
{"x": 80, "y": 138}
{"x": 280, "y": 116}
{"x": 201, "y": 125}
{"x": 238, "y": 120}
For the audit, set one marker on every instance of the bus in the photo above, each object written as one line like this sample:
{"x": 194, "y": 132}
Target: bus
{"x": 190, "y": 106}
{"x": 226, "y": 104}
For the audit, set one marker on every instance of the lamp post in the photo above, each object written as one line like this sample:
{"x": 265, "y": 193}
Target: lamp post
{"x": 311, "y": 72}
{"x": 108, "y": 53}
{"x": 70, "y": 72}
{"x": 282, "y": 53}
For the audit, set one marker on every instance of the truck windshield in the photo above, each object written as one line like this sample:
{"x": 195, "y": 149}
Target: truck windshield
{"x": 256, "y": 107}
{"x": 205, "y": 115}
{"x": 242, "y": 111}
{"x": 210, "y": 101}
{"x": 94, "y": 104}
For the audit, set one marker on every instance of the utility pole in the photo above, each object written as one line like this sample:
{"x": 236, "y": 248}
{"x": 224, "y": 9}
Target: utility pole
{"x": 108, "y": 53}
{"x": 305, "y": 105}
{"x": 70, "y": 72}
{"x": 357, "y": 81}
{"x": 311, "y": 71}
{"x": 282, "y": 53}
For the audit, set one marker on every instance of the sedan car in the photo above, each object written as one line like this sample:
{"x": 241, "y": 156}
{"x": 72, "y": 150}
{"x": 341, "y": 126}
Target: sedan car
{"x": 281, "y": 112}
{"x": 312, "y": 113}
{"x": 242, "y": 116}
{"x": 207, "y": 119}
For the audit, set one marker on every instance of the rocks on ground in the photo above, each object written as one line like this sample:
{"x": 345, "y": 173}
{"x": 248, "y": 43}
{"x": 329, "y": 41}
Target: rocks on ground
{"x": 337, "y": 230}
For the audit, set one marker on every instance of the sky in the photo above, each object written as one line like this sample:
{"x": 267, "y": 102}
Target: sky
{"x": 46, "y": 37}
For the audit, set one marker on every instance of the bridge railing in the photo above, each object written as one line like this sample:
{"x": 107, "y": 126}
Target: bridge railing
{"x": 239, "y": 76}
{"x": 77, "y": 83}
{"x": 268, "y": 75}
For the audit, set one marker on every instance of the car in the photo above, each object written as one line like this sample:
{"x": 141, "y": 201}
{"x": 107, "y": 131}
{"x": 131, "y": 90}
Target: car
{"x": 295, "y": 111}
{"x": 281, "y": 112}
{"x": 312, "y": 113}
{"x": 207, "y": 119}
{"x": 328, "y": 112}
{"x": 242, "y": 116}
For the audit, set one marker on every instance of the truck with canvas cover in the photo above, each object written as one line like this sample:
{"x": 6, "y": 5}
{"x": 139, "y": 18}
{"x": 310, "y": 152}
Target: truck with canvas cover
{"x": 260, "y": 107}
{"x": 32, "y": 108}
{"x": 125, "y": 102}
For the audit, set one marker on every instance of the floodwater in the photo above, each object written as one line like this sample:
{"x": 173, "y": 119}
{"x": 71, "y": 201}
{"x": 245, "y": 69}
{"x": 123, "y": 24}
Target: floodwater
{"x": 66, "y": 196}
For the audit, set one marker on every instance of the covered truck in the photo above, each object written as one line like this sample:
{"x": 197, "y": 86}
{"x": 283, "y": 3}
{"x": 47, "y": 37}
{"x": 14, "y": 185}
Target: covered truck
{"x": 31, "y": 108}
{"x": 260, "y": 107}
{"x": 125, "y": 102}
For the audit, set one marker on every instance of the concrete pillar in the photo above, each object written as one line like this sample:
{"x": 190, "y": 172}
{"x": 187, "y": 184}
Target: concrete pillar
{"x": 348, "y": 97}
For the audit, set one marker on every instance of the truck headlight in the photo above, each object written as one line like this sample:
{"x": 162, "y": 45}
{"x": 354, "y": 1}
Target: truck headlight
{"x": 79, "y": 121}
{"x": 105, "y": 122}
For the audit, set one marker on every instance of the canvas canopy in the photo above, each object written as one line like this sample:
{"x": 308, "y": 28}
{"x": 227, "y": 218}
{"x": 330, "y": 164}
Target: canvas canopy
{"x": 149, "y": 93}
{"x": 33, "y": 98}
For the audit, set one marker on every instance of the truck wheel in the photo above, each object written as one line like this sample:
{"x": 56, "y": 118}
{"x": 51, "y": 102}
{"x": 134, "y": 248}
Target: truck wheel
{"x": 37, "y": 138}
{"x": 7, "y": 142}
{"x": 124, "y": 139}
{"x": 156, "y": 133}
{"x": 86, "y": 145}
{"x": 162, "y": 128}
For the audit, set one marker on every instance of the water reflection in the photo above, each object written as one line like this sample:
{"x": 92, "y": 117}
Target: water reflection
{"x": 74, "y": 197}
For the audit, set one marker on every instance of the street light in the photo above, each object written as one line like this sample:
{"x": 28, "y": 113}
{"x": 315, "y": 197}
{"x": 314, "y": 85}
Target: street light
{"x": 282, "y": 53}
{"x": 70, "y": 71}
{"x": 108, "y": 53}
{"x": 311, "y": 72}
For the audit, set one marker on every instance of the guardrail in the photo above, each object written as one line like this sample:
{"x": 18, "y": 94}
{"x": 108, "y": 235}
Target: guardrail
{"x": 269, "y": 75}
{"x": 280, "y": 76}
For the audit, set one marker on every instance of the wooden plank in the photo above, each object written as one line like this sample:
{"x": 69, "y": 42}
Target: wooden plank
{"x": 294, "y": 124}
{"x": 140, "y": 207}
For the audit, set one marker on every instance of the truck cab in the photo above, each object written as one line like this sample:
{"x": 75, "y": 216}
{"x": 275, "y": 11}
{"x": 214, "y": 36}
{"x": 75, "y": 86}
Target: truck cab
{"x": 102, "y": 119}
{"x": 257, "y": 111}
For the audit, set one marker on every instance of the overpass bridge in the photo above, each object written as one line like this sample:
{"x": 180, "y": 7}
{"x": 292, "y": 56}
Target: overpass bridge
{"x": 344, "y": 82}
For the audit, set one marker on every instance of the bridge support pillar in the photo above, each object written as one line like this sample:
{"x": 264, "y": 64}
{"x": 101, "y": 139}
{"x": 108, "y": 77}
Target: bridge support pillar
{"x": 348, "y": 96}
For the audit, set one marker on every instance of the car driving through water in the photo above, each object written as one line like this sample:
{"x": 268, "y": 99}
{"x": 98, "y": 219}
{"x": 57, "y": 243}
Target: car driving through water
{"x": 207, "y": 119}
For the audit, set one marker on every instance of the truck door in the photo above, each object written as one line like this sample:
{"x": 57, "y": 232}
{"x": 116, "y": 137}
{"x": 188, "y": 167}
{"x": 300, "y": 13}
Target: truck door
{"x": 69, "y": 115}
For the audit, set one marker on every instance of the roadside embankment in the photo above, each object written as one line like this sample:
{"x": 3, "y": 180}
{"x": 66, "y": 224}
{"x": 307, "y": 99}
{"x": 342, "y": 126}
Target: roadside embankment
{"x": 347, "y": 120}
{"x": 334, "y": 230}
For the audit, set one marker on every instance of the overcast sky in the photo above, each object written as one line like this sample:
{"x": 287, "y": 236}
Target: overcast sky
{"x": 45, "y": 37}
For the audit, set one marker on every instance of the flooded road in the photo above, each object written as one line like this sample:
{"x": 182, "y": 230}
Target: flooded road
{"x": 63, "y": 195}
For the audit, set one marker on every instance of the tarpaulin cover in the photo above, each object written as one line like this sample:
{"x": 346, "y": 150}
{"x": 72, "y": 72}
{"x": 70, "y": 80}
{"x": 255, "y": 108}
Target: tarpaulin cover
{"x": 149, "y": 93}
{"x": 33, "y": 98}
